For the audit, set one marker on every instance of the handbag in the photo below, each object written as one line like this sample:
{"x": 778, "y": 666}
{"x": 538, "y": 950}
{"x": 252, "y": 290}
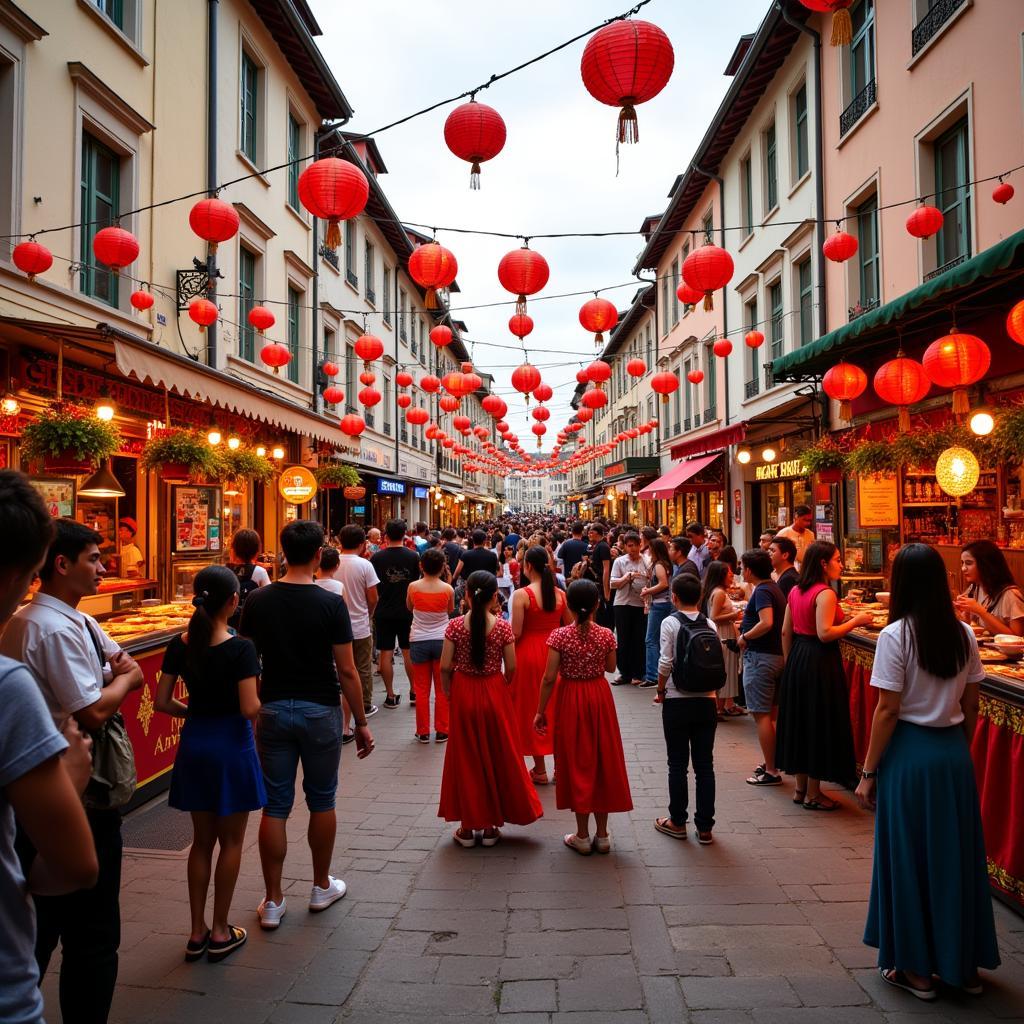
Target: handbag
{"x": 113, "y": 780}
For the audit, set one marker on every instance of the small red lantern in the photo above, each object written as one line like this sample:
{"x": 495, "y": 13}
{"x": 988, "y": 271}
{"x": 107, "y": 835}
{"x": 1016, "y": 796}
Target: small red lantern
{"x": 842, "y": 24}
{"x": 925, "y": 221}
{"x": 523, "y": 272}
{"x": 461, "y": 423}
{"x": 31, "y": 258}
{"x": 441, "y": 336}
{"x": 367, "y": 378}
{"x": 722, "y": 347}
{"x": 840, "y": 247}
{"x": 430, "y": 384}
{"x": 594, "y": 398}
{"x": 214, "y": 221}
{"x": 753, "y": 339}
{"x": 115, "y": 247}
{"x": 403, "y": 378}
{"x": 543, "y": 392}
{"x": 466, "y": 367}
{"x": 330, "y": 369}
{"x": 368, "y": 348}
{"x": 664, "y": 384}
{"x": 625, "y": 64}
{"x": 474, "y": 132}
{"x": 275, "y": 355}
{"x": 490, "y": 405}
{"x": 403, "y": 401}
{"x": 541, "y": 413}
{"x": 369, "y": 397}
{"x": 707, "y": 269}
{"x": 352, "y": 425}
{"x": 636, "y": 367}
{"x": 957, "y": 361}
{"x": 520, "y": 325}
{"x": 585, "y": 415}
{"x": 448, "y": 403}
{"x": 203, "y": 312}
{"x": 417, "y": 417}
{"x": 525, "y": 378}
{"x": 689, "y": 296}
{"x": 540, "y": 430}
{"x": 1003, "y": 192}
{"x": 142, "y": 300}
{"x": 581, "y": 377}
{"x": 1015, "y": 323}
{"x": 901, "y": 382}
{"x": 843, "y": 383}
{"x": 333, "y": 190}
{"x": 695, "y": 376}
{"x": 334, "y": 395}
{"x": 597, "y": 316}
{"x": 598, "y": 372}
{"x": 501, "y": 427}
{"x": 432, "y": 267}
{"x": 261, "y": 318}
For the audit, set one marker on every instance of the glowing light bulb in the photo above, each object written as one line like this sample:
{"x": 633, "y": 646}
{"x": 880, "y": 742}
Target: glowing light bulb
{"x": 768, "y": 455}
{"x": 278, "y": 453}
{"x": 233, "y": 443}
{"x": 10, "y": 406}
{"x": 982, "y": 423}
{"x": 261, "y": 452}
{"x": 105, "y": 412}
{"x": 213, "y": 437}
{"x": 743, "y": 456}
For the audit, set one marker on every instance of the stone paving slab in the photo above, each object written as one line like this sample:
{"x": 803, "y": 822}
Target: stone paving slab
{"x": 764, "y": 927}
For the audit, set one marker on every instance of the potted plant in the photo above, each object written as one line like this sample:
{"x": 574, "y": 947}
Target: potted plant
{"x": 244, "y": 462}
{"x": 874, "y": 457}
{"x": 827, "y": 459}
{"x": 178, "y": 454}
{"x": 333, "y": 475}
{"x": 69, "y": 439}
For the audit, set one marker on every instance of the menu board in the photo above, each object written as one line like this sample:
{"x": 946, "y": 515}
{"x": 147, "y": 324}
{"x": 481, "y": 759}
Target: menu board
{"x": 195, "y": 513}
{"x": 878, "y": 499}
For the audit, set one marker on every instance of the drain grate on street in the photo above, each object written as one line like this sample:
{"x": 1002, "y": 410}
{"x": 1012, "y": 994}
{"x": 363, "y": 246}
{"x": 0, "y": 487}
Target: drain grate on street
{"x": 157, "y": 828}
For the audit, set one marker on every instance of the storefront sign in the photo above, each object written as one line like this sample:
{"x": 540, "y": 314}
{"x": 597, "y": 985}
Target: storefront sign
{"x": 359, "y": 510}
{"x": 354, "y": 493}
{"x": 390, "y": 487}
{"x": 737, "y": 506}
{"x": 297, "y": 485}
{"x": 420, "y": 492}
{"x": 788, "y": 469}
{"x": 878, "y": 500}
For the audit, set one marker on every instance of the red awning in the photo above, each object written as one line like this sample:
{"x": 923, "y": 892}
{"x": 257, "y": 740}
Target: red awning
{"x": 710, "y": 442}
{"x": 666, "y": 486}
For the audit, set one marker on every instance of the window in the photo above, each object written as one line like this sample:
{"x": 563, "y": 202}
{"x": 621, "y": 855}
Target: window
{"x": 401, "y": 314}
{"x": 246, "y": 300}
{"x": 413, "y": 333}
{"x": 860, "y": 83}
{"x": 351, "y": 378}
{"x": 775, "y": 311}
{"x": 771, "y": 170}
{"x": 801, "y": 142}
{"x": 675, "y": 297}
{"x": 330, "y": 344}
{"x": 747, "y": 173}
{"x": 664, "y": 304}
{"x": 114, "y": 10}
{"x": 710, "y": 384}
{"x": 369, "y": 277}
{"x": 652, "y": 414}
{"x": 386, "y": 404}
{"x": 709, "y": 226}
{"x": 294, "y": 160}
{"x": 385, "y": 299}
{"x": 294, "y": 322}
{"x": 688, "y": 396}
{"x": 868, "y": 257}
{"x": 677, "y": 406}
{"x": 250, "y": 107}
{"x": 101, "y": 181}
{"x": 952, "y": 174}
{"x": 649, "y": 347}
{"x": 350, "y": 253}
{"x": 752, "y": 383}
{"x": 806, "y": 304}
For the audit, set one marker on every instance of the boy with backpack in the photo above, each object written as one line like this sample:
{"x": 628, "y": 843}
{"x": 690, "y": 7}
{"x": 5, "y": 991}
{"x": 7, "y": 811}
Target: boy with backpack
{"x": 245, "y": 546}
{"x": 691, "y": 657}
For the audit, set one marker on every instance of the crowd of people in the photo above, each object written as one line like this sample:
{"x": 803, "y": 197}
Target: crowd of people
{"x": 508, "y": 633}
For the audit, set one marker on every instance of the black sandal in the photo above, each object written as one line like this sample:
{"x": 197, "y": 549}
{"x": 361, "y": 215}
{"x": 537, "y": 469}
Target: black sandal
{"x": 817, "y": 805}
{"x": 196, "y": 950}
{"x": 799, "y": 795}
{"x": 219, "y": 950}
{"x": 898, "y": 979}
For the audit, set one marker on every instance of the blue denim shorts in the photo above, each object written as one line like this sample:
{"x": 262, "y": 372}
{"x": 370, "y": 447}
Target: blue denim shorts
{"x": 761, "y": 675}
{"x": 294, "y": 731}
{"x": 423, "y": 651}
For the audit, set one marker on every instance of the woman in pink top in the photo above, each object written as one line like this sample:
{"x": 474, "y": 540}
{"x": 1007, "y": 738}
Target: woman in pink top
{"x": 814, "y": 740}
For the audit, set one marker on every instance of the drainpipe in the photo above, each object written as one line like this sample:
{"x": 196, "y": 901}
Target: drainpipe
{"x": 211, "y": 163}
{"x": 314, "y": 368}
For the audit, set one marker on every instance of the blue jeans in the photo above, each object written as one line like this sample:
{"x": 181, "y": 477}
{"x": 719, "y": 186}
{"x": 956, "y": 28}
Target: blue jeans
{"x": 291, "y": 731}
{"x": 660, "y": 611}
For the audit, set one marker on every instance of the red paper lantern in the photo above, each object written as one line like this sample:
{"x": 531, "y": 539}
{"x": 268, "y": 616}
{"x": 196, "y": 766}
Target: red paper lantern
{"x": 695, "y": 376}
{"x": 636, "y": 367}
{"x": 523, "y": 272}
{"x": 474, "y": 132}
{"x": 843, "y": 383}
{"x": 925, "y": 221}
{"x": 625, "y": 64}
{"x": 275, "y": 355}
{"x": 753, "y": 339}
{"x": 489, "y": 404}
{"x": 214, "y": 221}
{"x": 203, "y": 312}
{"x": 541, "y": 413}
{"x": 333, "y": 190}
{"x": 430, "y": 384}
{"x": 664, "y": 384}
{"x": 501, "y": 427}
{"x": 520, "y": 325}
{"x": 261, "y": 318}
{"x": 901, "y": 382}
{"x": 581, "y": 377}
{"x": 115, "y": 247}
{"x": 367, "y": 378}
{"x": 417, "y": 417}
{"x": 334, "y": 395}
{"x": 840, "y": 247}
{"x": 441, "y": 336}
{"x": 448, "y": 403}
{"x": 584, "y": 415}
{"x": 330, "y": 369}
{"x": 594, "y": 398}
{"x": 31, "y": 258}
{"x": 842, "y": 24}
{"x": 597, "y": 316}
{"x": 957, "y": 361}
{"x": 432, "y": 267}
{"x": 598, "y": 372}
{"x": 403, "y": 401}
{"x": 403, "y": 378}
{"x": 466, "y": 367}
{"x": 461, "y": 423}
{"x": 689, "y": 296}
{"x": 1003, "y": 192}
{"x": 543, "y": 392}
{"x": 1015, "y": 323}
{"x": 707, "y": 269}
{"x": 368, "y": 348}
{"x": 352, "y": 425}
{"x": 142, "y": 300}
{"x": 525, "y": 378}
{"x": 722, "y": 347}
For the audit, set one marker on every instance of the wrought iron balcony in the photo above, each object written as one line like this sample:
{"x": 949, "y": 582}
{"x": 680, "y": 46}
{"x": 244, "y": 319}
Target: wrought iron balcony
{"x": 936, "y": 17}
{"x": 352, "y": 278}
{"x": 752, "y": 388}
{"x": 710, "y": 415}
{"x": 331, "y": 255}
{"x": 686, "y": 424}
{"x": 371, "y": 296}
{"x": 946, "y": 266}
{"x": 861, "y": 308}
{"x": 858, "y": 108}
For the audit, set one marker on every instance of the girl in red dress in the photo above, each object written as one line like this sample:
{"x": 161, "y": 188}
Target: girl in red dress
{"x": 537, "y": 609}
{"x": 484, "y": 783}
{"x": 588, "y": 746}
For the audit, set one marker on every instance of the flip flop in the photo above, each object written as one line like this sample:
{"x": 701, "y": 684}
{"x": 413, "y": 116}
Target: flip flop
{"x": 899, "y": 980}
{"x": 219, "y": 950}
{"x": 822, "y": 803}
{"x": 661, "y": 824}
{"x": 197, "y": 950}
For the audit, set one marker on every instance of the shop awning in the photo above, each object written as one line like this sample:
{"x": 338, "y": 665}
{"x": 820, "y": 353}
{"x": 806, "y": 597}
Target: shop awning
{"x": 666, "y": 486}
{"x": 998, "y": 263}
{"x": 710, "y": 442}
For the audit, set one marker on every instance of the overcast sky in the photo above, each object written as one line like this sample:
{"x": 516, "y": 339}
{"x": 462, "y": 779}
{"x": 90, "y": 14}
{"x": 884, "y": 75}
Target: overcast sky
{"x": 557, "y": 170}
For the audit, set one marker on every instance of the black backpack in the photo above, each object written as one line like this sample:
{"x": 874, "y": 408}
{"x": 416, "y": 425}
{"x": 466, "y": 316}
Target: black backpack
{"x": 700, "y": 663}
{"x": 246, "y": 585}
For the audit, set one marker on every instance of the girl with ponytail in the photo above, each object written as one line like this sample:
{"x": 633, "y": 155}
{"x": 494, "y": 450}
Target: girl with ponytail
{"x": 484, "y": 783}
{"x": 588, "y": 745}
{"x": 537, "y": 609}
{"x": 216, "y": 776}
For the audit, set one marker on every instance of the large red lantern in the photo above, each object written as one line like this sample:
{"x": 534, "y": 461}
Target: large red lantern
{"x": 843, "y": 383}
{"x": 543, "y": 392}
{"x": 523, "y": 272}
{"x": 753, "y": 339}
{"x": 597, "y": 316}
{"x": 1015, "y": 323}
{"x": 141, "y": 300}
{"x": 525, "y": 378}
{"x": 664, "y": 384}
{"x": 32, "y": 258}
{"x": 925, "y": 221}
{"x": 448, "y": 403}
{"x": 520, "y": 325}
{"x": 202, "y": 312}
{"x": 352, "y": 425}
{"x": 840, "y": 247}
{"x": 695, "y": 376}
{"x": 474, "y": 132}
{"x": 842, "y": 24}
{"x": 594, "y": 398}
{"x": 636, "y": 367}
{"x": 262, "y": 319}
{"x": 689, "y": 296}
{"x": 333, "y": 190}
{"x": 441, "y": 335}
{"x": 368, "y": 348}
{"x": 598, "y": 372}
{"x": 115, "y": 247}
{"x": 707, "y": 269}
{"x": 214, "y": 221}
{"x": 541, "y": 413}
{"x": 490, "y": 405}
{"x": 957, "y": 361}
{"x": 432, "y": 267}
{"x": 722, "y": 348}
{"x": 403, "y": 378}
{"x": 901, "y": 382}
{"x": 417, "y": 417}
{"x": 625, "y": 64}
{"x": 334, "y": 395}
{"x": 275, "y": 355}
{"x": 430, "y": 384}
{"x": 584, "y": 415}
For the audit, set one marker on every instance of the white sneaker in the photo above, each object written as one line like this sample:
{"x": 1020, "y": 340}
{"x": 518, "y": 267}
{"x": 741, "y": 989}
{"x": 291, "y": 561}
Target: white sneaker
{"x": 321, "y": 899}
{"x": 270, "y": 913}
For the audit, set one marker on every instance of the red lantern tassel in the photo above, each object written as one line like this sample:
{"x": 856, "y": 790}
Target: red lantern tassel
{"x": 474, "y": 177}
{"x": 430, "y": 300}
{"x": 629, "y": 130}
{"x": 709, "y": 301}
{"x": 961, "y": 403}
{"x": 664, "y": 399}
{"x": 842, "y": 28}
{"x": 521, "y": 305}
{"x": 903, "y": 418}
{"x": 333, "y": 237}
{"x": 213, "y": 248}
{"x": 845, "y": 410}
{"x": 599, "y": 339}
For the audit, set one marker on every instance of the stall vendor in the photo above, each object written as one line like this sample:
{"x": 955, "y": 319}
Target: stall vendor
{"x": 992, "y": 598}
{"x": 132, "y": 559}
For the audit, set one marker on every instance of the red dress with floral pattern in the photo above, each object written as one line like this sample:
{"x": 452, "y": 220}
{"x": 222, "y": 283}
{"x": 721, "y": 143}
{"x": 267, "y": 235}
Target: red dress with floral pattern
{"x": 531, "y": 660}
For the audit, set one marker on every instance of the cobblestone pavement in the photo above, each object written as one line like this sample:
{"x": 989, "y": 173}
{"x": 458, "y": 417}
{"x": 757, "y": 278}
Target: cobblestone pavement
{"x": 763, "y": 927}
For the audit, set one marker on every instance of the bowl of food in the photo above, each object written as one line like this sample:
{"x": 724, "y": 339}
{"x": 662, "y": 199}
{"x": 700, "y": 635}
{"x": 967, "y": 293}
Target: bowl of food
{"x": 882, "y": 597}
{"x": 1009, "y": 644}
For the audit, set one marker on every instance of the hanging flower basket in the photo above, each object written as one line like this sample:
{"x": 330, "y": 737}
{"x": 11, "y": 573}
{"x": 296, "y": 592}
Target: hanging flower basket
{"x": 68, "y": 439}
{"x": 174, "y": 473}
{"x": 180, "y": 455}
{"x": 827, "y": 459}
{"x": 66, "y": 465}
{"x": 244, "y": 463}
{"x": 333, "y": 475}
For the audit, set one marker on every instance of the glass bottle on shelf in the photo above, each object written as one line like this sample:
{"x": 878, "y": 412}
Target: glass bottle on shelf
{"x": 908, "y": 489}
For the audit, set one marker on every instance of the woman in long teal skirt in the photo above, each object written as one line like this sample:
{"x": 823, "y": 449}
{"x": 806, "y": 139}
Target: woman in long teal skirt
{"x": 930, "y": 913}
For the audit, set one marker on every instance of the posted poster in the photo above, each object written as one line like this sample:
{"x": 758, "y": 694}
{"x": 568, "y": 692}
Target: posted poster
{"x": 878, "y": 499}
{"x": 196, "y": 513}
{"x": 58, "y": 495}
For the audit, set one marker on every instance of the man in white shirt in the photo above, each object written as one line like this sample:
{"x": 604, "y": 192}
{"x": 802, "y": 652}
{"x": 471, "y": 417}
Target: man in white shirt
{"x": 83, "y": 674}
{"x": 799, "y": 532}
{"x": 699, "y": 554}
{"x": 628, "y": 578}
{"x": 360, "y": 581}
{"x": 132, "y": 561}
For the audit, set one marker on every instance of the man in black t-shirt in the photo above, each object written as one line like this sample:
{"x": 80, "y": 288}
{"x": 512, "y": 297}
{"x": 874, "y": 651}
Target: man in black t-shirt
{"x": 304, "y": 638}
{"x": 782, "y": 552}
{"x": 572, "y": 550}
{"x": 396, "y": 567}
{"x": 477, "y": 556}
{"x": 600, "y": 555}
{"x": 452, "y": 549}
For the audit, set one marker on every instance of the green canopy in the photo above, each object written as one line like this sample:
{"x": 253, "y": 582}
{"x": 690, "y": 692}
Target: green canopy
{"x": 936, "y": 294}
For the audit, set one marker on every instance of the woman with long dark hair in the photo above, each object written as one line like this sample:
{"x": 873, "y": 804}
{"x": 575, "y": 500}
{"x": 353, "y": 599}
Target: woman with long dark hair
{"x": 814, "y": 738}
{"x": 658, "y": 596}
{"x": 537, "y": 609}
{"x": 432, "y": 602}
{"x": 930, "y": 912}
{"x": 992, "y": 598}
{"x": 484, "y": 783}
{"x": 717, "y": 607}
{"x": 216, "y": 775}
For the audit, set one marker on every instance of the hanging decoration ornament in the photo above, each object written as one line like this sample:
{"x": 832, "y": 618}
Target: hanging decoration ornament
{"x": 625, "y": 64}
{"x": 722, "y": 347}
{"x": 542, "y": 392}
{"x": 367, "y": 377}
{"x": 689, "y": 296}
{"x": 262, "y": 319}
{"x": 352, "y": 425}
{"x": 541, "y": 413}
{"x": 333, "y": 190}
{"x": 142, "y": 300}
{"x": 474, "y": 132}
{"x": 403, "y": 379}
{"x": 448, "y": 403}
{"x": 594, "y": 398}
{"x": 843, "y": 383}
{"x": 523, "y": 272}
{"x": 695, "y": 376}
{"x": 706, "y": 270}
{"x": 329, "y": 369}
{"x": 31, "y": 258}
{"x": 403, "y": 401}
{"x": 901, "y": 382}
{"x": 925, "y": 221}
{"x": 636, "y": 367}
{"x": 520, "y": 325}
{"x": 842, "y": 23}
{"x": 753, "y": 339}
{"x": 540, "y": 430}
{"x": 417, "y": 417}
{"x": 275, "y": 355}
{"x": 1015, "y": 323}
{"x": 432, "y": 267}
{"x": 368, "y": 348}
{"x": 525, "y": 378}
{"x": 202, "y": 312}
{"x": 214, "y": 221}
{"x": 115, "y": 248}
{"x": 333, "y": 395}
{"x": 840, "y": 247}
{"x": 664, "y": 384}
{"x": 584, "y": 415}
{"x": 441, "y": 336}
{"x": 430, "y": 384}
{"x": 1003, "y": 192}
{"x": 957, "y": 361}
{"x": 957, "y": 471}
{"x": 369, "y": 397}
{"x": 597, "y": 316}
{"x": 598, "y": 372}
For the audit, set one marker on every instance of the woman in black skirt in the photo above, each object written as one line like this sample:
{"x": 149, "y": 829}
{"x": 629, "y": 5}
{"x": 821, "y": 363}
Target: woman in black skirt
{"x": 217, "y": 776}
{"x": 814, "y": 740}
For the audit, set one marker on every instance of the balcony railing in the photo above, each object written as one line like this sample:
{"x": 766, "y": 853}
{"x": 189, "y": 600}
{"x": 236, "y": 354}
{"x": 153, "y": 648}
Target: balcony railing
{"x": 858, "y": 108}
{"x": 946, "y": 266}
{"x": 932, "y": 22}
{"x": 330, "y": 255}
{"x": 352, "y": 278}
{"x": 860, "y": 308}
{"x": 710, "y": 415}
{"x": 751, "y": 388}
{"x": 371, "y": 296}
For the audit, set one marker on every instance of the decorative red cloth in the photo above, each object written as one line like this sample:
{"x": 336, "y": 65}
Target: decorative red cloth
{"x": 531, "y": 659}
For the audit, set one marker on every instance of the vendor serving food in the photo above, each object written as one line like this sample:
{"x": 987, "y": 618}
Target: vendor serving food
{"x": 992, "y": 598}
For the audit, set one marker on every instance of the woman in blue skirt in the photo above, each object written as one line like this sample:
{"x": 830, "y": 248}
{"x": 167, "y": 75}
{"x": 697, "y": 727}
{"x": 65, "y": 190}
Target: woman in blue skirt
{"x": 930, "y": 913}
{"x": 217, "y": 776}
